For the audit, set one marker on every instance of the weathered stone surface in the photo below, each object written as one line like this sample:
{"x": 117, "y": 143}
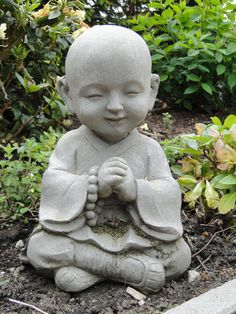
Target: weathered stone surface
{"x": 221, "y": 300}
{"x": 110, "y": 208}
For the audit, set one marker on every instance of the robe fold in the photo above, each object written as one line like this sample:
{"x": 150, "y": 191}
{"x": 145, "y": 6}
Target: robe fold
{"x": 155, "y": 213}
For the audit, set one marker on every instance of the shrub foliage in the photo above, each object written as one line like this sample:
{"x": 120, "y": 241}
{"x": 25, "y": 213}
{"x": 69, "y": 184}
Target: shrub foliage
{"x": 33, "y": 41}
{"x": 194, "y": 51}
{"x": 207, "y": 165}
{"x": 21, "y": 170}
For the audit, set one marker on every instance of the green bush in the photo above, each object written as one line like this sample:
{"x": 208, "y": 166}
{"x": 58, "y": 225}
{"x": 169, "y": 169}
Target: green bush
{"x": 194, "y": 50}
{"x": 207, "y": 167}
{"x": 21, "y": 170}
{"x": 113, "y": 12}
{"x": 33, "y": 42}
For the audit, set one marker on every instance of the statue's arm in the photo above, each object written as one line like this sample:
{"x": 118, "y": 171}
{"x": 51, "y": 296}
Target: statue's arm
{"x": 156, "y": 210}
{"x": 64, "y": 193}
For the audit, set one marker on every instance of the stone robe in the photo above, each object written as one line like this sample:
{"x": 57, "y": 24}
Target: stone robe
{"x": 153, "y": 218}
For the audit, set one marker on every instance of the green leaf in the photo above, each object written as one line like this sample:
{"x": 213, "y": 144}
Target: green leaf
{"x": 191, "y": 143}
{"x": 227, "y": 203}
{"x": 229, "y": 121}
{"x": 193, "y": 77}
{"x": 191, "y": 89}
{"x": 220, "y": 69}
{"x": 163, "y": 77}
{"x": 195, "y": 193}
{"x": 203, "y": 68}
{"x": 187, "y": 179}
{"x": 207, "y": 88}
{"x": 193, "y": 52}
{"x": 232, "y": 80}
{"x": 231, "y": 48}
{"x": 20, "y": 79}
{"x": 216, "y": 121}
{"x": 219, "y": 57}
{"x": 211, "y": 196}
{"x": 228, "y": 180}
{"x": 54, "y": 15}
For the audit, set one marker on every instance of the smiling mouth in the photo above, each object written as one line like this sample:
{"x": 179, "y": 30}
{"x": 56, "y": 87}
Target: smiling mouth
{"x": 114, "y": 118}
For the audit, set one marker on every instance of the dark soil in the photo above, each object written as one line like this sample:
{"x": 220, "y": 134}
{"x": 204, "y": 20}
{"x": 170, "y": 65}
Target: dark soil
{"x": 213, "y": 247}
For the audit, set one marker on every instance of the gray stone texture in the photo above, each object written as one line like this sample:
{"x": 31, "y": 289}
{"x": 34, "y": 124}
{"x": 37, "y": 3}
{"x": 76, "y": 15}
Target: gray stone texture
{"x": 110, "y": 208}
{"x": 221, "y": 300}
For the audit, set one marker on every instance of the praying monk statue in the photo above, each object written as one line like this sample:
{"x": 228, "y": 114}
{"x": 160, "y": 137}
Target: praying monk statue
{"x": 110, "y": 208}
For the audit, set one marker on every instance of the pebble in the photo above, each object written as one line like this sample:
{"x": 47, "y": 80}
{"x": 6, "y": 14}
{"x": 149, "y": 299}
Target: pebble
{"x": 141, "y": 302}
{"x": 234, "y": 241}
{"x": 193, "y": 275}
{"x": 19, "y": 244}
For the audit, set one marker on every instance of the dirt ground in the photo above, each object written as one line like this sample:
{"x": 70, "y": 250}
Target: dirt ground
{"x": 213, "y": 247}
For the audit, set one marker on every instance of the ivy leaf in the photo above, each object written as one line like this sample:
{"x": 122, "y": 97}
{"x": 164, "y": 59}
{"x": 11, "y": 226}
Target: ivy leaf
{"x": 220, "y": 69}
{"x": 227, "y": 203}
{"x": 211, "y": 195}
{"x": 207, "y": 88}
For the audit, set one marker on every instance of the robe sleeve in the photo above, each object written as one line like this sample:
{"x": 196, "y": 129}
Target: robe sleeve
{"x": 158, "y": 205}
{"x": 64, "y": 193}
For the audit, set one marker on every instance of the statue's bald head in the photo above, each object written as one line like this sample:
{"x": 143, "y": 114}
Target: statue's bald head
{"x": 107, "y": 45}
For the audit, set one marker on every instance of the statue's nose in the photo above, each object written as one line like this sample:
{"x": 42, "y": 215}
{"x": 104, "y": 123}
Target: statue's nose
{"x": 114, "y": 104}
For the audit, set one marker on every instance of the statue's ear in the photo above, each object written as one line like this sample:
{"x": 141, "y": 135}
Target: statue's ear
{"x": 155, "y": 82}
{"x": 63, "y": 91}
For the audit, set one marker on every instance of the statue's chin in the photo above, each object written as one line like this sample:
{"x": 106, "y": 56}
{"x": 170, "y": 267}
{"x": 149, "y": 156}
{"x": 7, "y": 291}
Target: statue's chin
{"x": 109, "y": 138}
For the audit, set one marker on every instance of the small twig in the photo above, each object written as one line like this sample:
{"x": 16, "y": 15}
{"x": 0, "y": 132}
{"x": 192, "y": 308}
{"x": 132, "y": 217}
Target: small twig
{"x": 185, "y": 215}
{"x": 205, "y": 246}
{"x": 203, "y": 263}
{"x": 205, "y": 152}
{"x": 28, "y": 305}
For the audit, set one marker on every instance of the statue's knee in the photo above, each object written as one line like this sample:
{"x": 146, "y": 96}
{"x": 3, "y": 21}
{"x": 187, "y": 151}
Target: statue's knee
{"x": 180, "y": 262}
{"x": 49, "y": 252}
{"x": 37, "y": 252}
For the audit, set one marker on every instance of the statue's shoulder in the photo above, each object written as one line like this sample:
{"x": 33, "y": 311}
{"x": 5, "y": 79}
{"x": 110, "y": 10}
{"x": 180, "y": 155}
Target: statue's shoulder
{"x": 149, "y": 143}
{"x": 71, "y": 138}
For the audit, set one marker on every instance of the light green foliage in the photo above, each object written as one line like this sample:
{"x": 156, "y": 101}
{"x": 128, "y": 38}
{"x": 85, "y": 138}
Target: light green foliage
{"x": 193, "y": 50}
{"x": 167, "y": 120}
{"x": 21, "y": 169}
{"x": 207, "y": 168}
{"x": 32, "y": 54}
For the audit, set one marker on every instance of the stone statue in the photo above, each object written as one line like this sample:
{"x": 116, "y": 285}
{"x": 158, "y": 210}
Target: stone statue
{"x": 110, "y": 208}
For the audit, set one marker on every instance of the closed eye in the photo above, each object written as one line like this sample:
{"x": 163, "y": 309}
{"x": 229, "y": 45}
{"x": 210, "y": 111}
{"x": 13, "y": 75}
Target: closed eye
{"x": 132, "y": 93}
{"x": 94, "y": 96}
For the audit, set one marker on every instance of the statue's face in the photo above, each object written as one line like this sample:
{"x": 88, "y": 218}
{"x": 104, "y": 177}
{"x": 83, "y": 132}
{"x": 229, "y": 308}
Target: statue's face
{"x": 111, "y": 98}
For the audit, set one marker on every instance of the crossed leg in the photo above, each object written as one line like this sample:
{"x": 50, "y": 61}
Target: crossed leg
{"x": 76, "y": 266}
